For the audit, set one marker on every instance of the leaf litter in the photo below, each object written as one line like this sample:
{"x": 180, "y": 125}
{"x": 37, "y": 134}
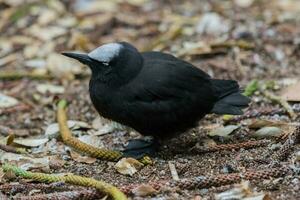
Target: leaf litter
{"x": 258, "y": 38}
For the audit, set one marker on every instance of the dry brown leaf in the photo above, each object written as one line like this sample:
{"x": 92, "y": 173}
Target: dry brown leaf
{"x": 144, "y": 190}
{"x": 242, "y": 191}
{"x": 292, "y": 93}
{"x": 260, "y": 123}
{"x": 128, "y": 166}
{"x": 55, "y": 162}
{"x": 82, "y": 159}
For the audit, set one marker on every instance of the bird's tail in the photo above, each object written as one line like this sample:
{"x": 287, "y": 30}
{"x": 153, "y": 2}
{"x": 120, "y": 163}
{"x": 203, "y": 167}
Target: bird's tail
{"x": 231, "y": 101}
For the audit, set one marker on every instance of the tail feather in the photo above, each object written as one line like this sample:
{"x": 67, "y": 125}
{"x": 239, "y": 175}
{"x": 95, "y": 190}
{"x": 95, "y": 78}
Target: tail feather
{"x": 231, "y": 101}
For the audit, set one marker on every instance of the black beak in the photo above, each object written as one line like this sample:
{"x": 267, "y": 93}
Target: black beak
{"x": 83, "y": 58}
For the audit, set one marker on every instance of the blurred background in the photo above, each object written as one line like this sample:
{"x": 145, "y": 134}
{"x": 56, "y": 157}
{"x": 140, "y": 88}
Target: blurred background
{"x": 239, "y": 39}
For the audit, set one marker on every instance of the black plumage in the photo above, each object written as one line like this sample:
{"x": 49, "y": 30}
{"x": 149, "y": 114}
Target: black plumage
{"x": 155, "y": 93}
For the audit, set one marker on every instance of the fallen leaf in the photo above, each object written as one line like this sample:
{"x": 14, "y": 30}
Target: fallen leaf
{"x": 87, "y": 7}
{"x": 67, "y": 22}
{"x": 35, "y": 63}
{"x": 10, "y": 139}
{"x": 297, "y": 157}
{"x": 105, "y": 126}
{"x": 128, "y": 166}
{"x": 53, "y": 129}
{"x": 144, "y": 190}
{"x": 55, "y": 162}
{"x": 251, "y": 88}
{"x": 82, "y": 159}
{"x": 92, "y": 140}
{"x": 53, "y": 89}
{"x": 28, "y": 142}
{"x": 25, "y": 162}
{"x": 208, "y": 142}
{"x": 2, "y": 174}
{"x": 213, "y": 24}
{"x": 244, "y": 3}
{"x": 223, "y": 131}
{"x": 63, "y": 67}
{"x": 242, "y": 191}
{"x": 8, "y": 59}
{"x": 46, "y": 33}
{"x": 292, "y": 93}
{"x": 260, "y": 123}
{"x": 7, "y": 101}
{"x": 267, "y": 132}
{"x": 46, "y": 17}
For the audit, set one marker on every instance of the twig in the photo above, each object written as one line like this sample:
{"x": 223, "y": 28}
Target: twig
{"x": 174, "y": 31}
{"x": 83, "y": 147}
{"x": 114, "y": 192}
{"x": 15, "y": 75}
{"x": 13, "y": 188}
{"x": 232, "y": 43}
{"x": 259, "y": 113}
{"x": 281, "y": 101}
{"x": 237, "y": 60}
{"x": 173, "y": 171}
{"x": 69, "y": 195}
{"x": 288, "y": 145}
{"x": 222, "y": 147}
{"x": 17, "y": 108}
{"x": 11, "y": 149}
{"x": 214, "y": 180}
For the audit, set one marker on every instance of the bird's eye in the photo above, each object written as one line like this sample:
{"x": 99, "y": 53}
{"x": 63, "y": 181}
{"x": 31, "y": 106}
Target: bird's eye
{"x": 105, "y": 63}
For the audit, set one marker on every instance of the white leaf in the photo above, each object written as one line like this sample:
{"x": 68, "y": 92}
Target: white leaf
{"x": 267, "y": 132}
{"x": 6, "y": 101}
{"x": 54, "y": 89}
{"x": 223, "y": 131}
{"x": 35, "y": 63}
{"x": 53, "y": 129}
{"x": 24, "y": 162}
{"x": 31, "y": 142}
{"x": 92, "y": 140}
{"x": 212, "y": 23}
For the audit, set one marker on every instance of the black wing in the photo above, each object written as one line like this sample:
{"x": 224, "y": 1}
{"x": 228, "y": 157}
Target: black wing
{"x": 168, "y": 91}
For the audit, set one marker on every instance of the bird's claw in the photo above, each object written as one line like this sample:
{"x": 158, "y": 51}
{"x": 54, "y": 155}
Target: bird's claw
{"x": 138, "y": 148}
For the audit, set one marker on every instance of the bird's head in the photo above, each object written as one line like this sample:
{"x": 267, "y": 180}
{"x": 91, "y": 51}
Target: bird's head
{"x": 117, "y": 62}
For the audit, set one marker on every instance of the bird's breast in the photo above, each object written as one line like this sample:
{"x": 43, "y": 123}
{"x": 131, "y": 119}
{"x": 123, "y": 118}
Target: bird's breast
{"x": 107, "y": 101}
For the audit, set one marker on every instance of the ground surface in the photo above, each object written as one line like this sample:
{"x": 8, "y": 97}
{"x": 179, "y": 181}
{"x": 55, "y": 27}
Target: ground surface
{"x": 33, "y": 33}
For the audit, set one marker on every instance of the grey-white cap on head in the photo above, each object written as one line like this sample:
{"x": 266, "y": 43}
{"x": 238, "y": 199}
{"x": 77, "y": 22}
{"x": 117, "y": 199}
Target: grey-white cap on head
{"x": 106, "y": 52}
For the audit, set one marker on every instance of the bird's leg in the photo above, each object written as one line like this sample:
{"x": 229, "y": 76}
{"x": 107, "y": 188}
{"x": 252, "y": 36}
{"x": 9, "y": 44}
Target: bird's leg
{"x": 137, "y": 148}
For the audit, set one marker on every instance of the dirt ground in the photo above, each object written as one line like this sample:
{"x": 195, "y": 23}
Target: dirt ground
{"x": 243, "y": 40}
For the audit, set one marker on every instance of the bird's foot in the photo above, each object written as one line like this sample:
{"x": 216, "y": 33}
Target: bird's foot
{"x": 138, "y": 148}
